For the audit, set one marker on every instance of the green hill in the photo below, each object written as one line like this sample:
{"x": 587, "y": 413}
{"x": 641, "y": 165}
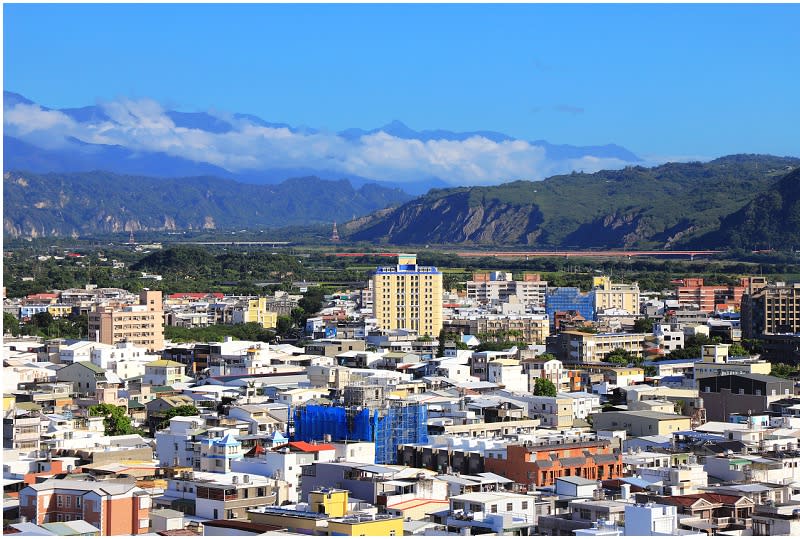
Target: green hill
{"x": 659, "y": 207}
{"x": 78, "y": 204}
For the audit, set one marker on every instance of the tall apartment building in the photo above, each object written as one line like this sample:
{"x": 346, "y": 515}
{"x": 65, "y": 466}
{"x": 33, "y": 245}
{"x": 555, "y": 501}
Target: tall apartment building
{"x": 773, "y": 308}
{"x": 142, "y": 324}
{"x": 500, "y": 285}
{"x": 408, "y": 296}
{"x": 608, "y": 295}
{"x": 693, "y": 291}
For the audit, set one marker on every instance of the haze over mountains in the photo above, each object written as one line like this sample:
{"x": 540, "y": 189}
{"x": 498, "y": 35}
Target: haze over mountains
{"x": 132, "y": 165}
{"x": 141, "y": 137}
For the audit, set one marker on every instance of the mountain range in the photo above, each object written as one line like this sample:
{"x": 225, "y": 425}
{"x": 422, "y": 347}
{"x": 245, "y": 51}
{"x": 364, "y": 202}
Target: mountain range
{"x": 81, "y": 204}
{"x": 739, "y": 201}
{"x": 140, "y": 137}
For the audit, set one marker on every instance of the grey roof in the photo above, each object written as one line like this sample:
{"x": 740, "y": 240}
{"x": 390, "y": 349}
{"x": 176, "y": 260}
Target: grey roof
{"x": 489, "y": 476}
{"x": 378, "y": 469}
{"x": 577, "y": 480}
{"x": 573, "y": 461}
{"x": 544, "y": 463}
{"x": 106, "y": 487}
{"x": 605, "y": 459}
{"x": 166, "y": 513}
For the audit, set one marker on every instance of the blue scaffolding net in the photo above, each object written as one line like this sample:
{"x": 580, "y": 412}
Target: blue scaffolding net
{"x": 388, "y": 427}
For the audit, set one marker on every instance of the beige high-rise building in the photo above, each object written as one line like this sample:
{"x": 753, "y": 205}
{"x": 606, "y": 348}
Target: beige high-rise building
{"x": 141, "y": 324}
{"x": 408, "y": 296}
{"x": 610, "y": 295}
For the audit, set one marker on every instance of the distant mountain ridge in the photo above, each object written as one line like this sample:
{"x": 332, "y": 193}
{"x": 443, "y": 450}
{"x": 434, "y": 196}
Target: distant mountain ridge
{"x": 325, "y": 155}
{"x": 702, "y": 204}
{"x": 80, "y": 204}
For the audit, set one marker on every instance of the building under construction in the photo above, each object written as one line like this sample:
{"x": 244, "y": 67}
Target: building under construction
{"x": 364, "y": 415}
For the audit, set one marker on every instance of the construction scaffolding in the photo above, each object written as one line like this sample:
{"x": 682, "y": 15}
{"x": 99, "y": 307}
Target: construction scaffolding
{"x": 389, "y": 426}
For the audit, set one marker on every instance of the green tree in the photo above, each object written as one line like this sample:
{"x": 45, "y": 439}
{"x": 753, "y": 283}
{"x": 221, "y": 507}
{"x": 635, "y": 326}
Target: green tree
{"x": 680, "y": 405}
{"x": 782, "y": 370}
{"x": 10, "y": 324}
{"x": 737, "y": 350}
{"x": 544, "y": 388}
{"x": 42, "y": 320}
{"x": 620, "y": 356}
{"x": 643, "y": 325}
{"x": 185, "y": 410}
{"x": 284, "y": 325}
{"x": 546, "y": 357}
{"x": 116, "y": 421}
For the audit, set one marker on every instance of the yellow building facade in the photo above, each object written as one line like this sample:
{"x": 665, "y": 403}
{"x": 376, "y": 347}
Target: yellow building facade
{"x": 257, "y": 312}
{"x": 610, "y": 295}
{"x": 408, "y": 296}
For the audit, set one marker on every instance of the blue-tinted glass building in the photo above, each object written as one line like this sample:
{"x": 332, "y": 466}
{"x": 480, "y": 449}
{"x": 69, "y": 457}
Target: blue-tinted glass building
{"x": 569, "y": 298}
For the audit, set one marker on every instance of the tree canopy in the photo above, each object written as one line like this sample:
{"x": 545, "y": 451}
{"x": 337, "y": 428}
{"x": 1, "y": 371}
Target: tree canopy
{"x": 544, "y": 388}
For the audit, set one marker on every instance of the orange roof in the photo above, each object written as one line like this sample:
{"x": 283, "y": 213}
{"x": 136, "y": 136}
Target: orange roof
{"x": 306, "y": 447}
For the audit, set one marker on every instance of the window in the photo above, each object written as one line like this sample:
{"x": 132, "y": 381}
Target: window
{"x": 78, "y": 502}
{"x": 509, "y": 507}
{"x": 59, "y": 501}
{"x": 67, "y": 501}
{"x": 493, "y": 509}
{"x": 144, "y": 523}
{"x": 392, "y": 533}
{"x": 216, "y": 514}
{"x": 524, "y": 505}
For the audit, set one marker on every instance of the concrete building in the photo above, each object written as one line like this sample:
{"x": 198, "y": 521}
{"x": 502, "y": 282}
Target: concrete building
{"x": 499, "y": 286}
{"x": 743, "y": 394}
{"x": 707, "y": 298}
{"x": 501, "y": 513}
{"x": 115, "y": 508}
{"x": 541, "y": 464}
{"x": 773, "y": 308}
{"x": 594, "y": 347}
{"x": 716, "y": 362}
{"x": 777, "y": 519}
{"x": 255, "y": 310}
{"x": 610, "y": 295}
{"x": 528, "y": 328}
{"x": 141, "y": 324}
{"x": 408, "y": 296}
{"x": 641, "y": 423}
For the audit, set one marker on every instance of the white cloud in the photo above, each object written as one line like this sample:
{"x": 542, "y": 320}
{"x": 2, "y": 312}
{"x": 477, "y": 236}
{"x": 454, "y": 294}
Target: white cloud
{"x": 142, "y": 125}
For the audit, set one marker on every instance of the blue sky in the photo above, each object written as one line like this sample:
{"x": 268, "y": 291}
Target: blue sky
{"x": 662, "y": 80}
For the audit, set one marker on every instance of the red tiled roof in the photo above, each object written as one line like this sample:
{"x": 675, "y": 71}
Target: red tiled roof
{"x": 306, "y": 447}
{"x": 43, "y": 295}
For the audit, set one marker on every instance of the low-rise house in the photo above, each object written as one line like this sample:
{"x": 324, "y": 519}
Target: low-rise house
{"x": 115, "y": 508}
{"x": 642, "y": 423}
{"x": 220, "y": 495}
{"x": 541, "y": 464}
{"x": 501, "y": 513}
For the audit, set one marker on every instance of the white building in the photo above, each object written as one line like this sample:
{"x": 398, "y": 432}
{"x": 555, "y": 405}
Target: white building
{"x": 508, "y": 373}
{"x": 174, "y": 445}
{"x": 501, "y": 512}
{"x": 125, "y": 359}
{"x": 667, "y": 338}
{"x": 654, "y": 520}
